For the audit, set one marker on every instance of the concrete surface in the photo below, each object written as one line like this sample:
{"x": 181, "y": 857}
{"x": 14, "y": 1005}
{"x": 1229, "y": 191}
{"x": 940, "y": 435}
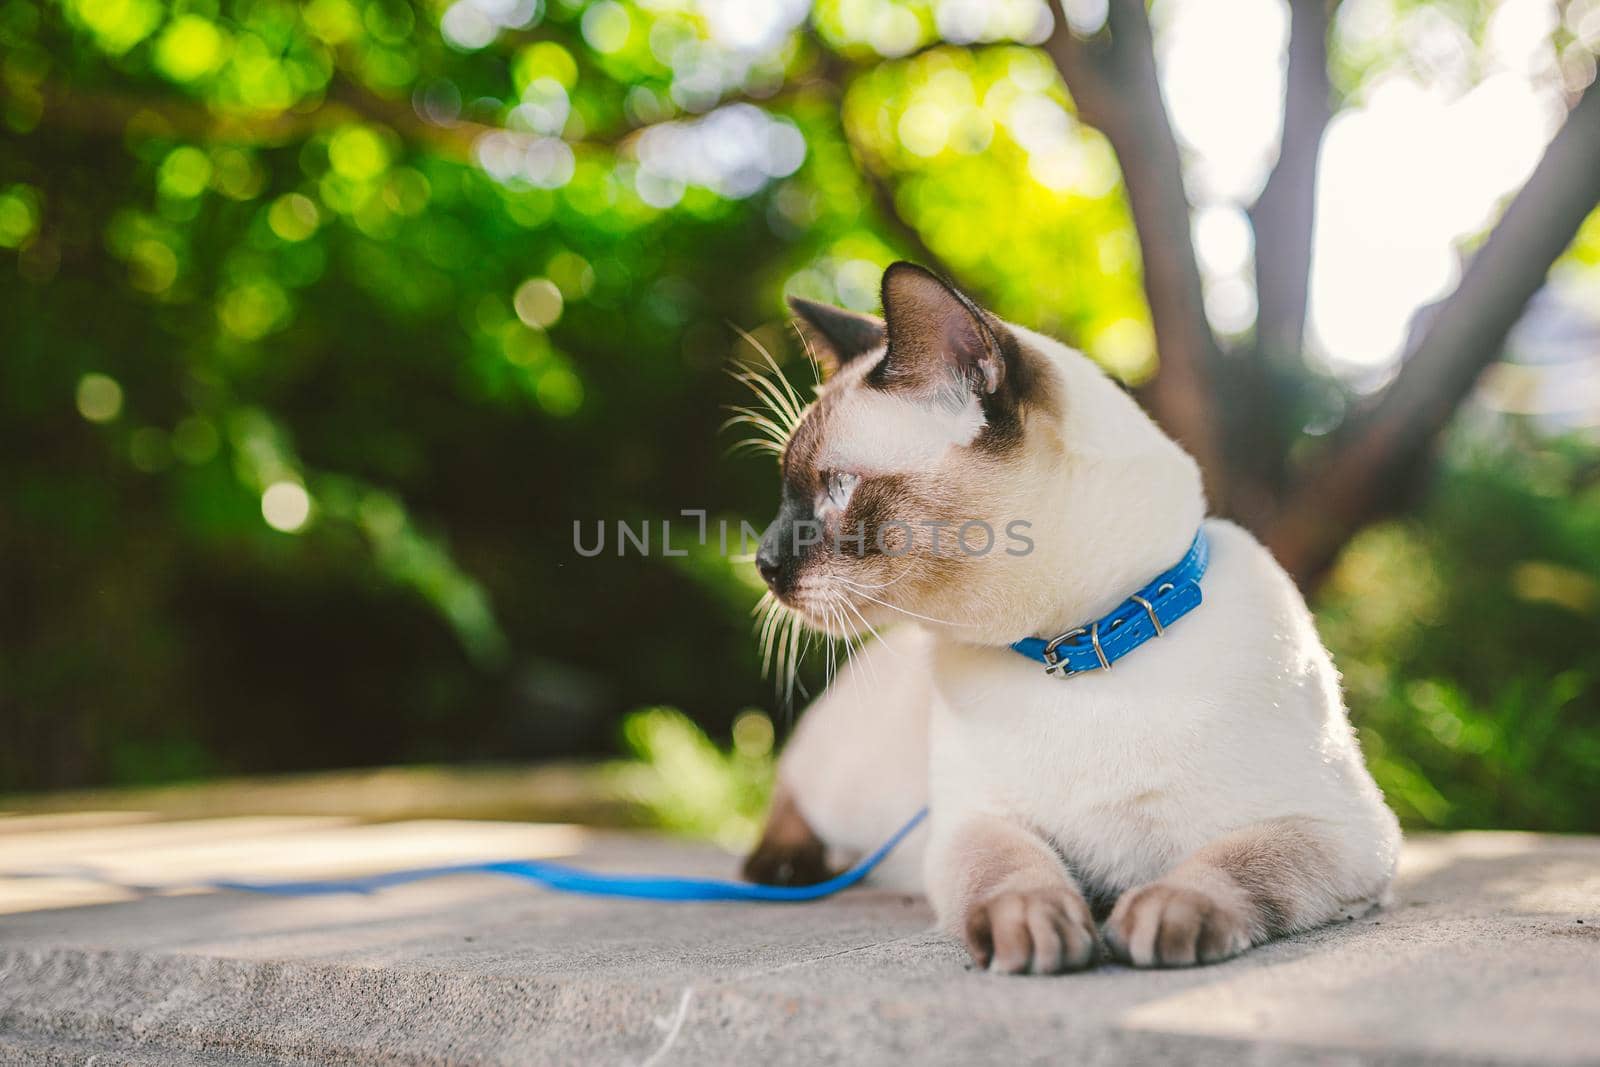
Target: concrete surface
{"x": 595, "y": 793}
{"x": 1491, "y": 954}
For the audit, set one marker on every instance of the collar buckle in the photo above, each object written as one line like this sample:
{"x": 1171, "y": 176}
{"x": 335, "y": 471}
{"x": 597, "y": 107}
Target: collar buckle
{"x": 1168, "y": 597}
{"x": 1056, "y": 663}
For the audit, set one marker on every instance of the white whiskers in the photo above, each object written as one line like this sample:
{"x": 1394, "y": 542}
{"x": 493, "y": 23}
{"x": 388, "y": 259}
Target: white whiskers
{"x": 781, "y": 630}
{"x": 861, "y": 591}
{"x": 778, "y": 407}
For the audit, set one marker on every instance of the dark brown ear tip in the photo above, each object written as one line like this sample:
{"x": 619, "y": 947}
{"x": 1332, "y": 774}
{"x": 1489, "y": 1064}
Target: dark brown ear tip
{"x": 837, "y": 334}
{"x": 905, "y": 266}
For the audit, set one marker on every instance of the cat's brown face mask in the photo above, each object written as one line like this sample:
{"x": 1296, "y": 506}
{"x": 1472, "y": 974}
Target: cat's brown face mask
{"x": 886, "y": 475}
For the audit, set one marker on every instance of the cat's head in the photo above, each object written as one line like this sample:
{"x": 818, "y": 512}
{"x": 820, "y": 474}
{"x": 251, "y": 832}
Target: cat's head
{"x": 945, "y": 463}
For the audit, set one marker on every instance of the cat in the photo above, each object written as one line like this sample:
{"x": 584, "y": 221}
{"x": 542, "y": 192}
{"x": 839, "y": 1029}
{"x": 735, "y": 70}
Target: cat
{"x": 1202, "y": 796}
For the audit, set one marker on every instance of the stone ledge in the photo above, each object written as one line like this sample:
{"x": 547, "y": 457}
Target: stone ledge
{"x": 1483, "y": 959}
{"x": 590, "y": 792}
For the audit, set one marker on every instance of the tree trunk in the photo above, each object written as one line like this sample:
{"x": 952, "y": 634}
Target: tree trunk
{"x": 1113, "y": 82}
{"x": 1260, "y": 389}
{"x": 1353, "y": 482}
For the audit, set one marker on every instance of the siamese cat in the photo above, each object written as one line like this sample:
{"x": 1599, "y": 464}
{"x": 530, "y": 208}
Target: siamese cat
{"x": 1204, "y": 795}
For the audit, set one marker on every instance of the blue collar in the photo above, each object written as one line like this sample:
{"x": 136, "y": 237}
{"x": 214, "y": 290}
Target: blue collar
{"x": 1170, "y": 596}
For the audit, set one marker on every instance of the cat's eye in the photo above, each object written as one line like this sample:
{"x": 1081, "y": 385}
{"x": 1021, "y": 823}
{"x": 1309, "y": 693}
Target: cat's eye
{"x": 837, "y": 487}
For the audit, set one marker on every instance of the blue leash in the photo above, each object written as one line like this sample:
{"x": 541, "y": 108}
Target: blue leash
{"x": 561, "y": 877}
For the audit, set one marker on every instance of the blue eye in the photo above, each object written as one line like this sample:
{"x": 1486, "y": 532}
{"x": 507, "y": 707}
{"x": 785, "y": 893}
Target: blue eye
{"x": 839, "y": 486}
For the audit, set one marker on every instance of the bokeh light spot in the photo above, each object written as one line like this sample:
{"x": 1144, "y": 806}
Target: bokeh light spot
{"x": 293, "y": 217}
{"x": 117, "y": 25}
{"x": 190, "y": 48}
{"x": 606, "y": 26}
{"x": 99, "y": 397}
{"x": 924, "y": 129}
{"x": 286, "y": 506}
{"x": 332, "y": 20}
{"x": 752, "y": 734}
{"x": 185, "y": 173}
{"x": 19, "y": 215}
{"x": 544, "y": 60}
{"x": 358, "y": 153}
{"x": 734, "y": 150}
{"x": 1125, "y": 347}
{"x": 152, "y": 266}
{"x": 572, "y": 273}
{"x": 538, "y": 303}
{"x": 237, "y": 175}
{"x": 254, "y": 309}
{"x": 894, "y": 29}
{"x": 407, "y": 191}
{"x": 523, "y": 346}
{"x": 467, "y": 26}
{"x": 549, "y": 163}
{"x": 544, "y": 108}
{"x": 857, "y": 283}
{"x": 559, "y": 391}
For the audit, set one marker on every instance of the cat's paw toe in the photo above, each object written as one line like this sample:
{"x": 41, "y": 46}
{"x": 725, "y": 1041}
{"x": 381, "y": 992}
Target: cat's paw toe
{"x": 1031, "y": 932}
{"x": 1161, "y": 925}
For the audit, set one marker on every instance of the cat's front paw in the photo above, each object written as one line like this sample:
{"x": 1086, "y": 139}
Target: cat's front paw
{"x": 790, "y": 852}
{"x": 1040, "y": 931}
{"x": 788, "y": 863}
{"x": 1165, "y": 925}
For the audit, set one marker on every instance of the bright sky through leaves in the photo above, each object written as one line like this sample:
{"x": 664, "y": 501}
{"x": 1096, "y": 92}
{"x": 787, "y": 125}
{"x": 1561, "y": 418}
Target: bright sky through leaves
{"x": 1420, "y": 163}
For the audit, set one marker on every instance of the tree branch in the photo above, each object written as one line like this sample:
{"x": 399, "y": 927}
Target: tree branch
{"x": 108, "y": 114}
{"x": 1258, "y": 428}
{"x": 835, "y": 73}
{"x": 1282, "y": 216}
{"x": 1356, "y": 479}
{"x": 1113, "y": 82}
{"x": 889, "y": 209}
{"x": 101, "y": 113}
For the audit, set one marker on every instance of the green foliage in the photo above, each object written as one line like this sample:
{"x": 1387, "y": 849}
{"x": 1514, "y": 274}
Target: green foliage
{"x": 322, "y": 322}
{"x": 952, "y": 127}
{"x": 1374, "y": 39}
{"x": 1467, "y": 641}
{"x": 688, "y": 785}
{"x": 1585, "y": 249}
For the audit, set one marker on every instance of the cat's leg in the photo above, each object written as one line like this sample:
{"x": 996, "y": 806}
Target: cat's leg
{"x": 854, "y": 771}
{"x": 1003, "y": 891}
{"x": 789, "y": 852}
{"x": 1269, "y": 879}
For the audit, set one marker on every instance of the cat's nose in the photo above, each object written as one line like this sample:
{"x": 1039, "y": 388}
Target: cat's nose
{"x": 769, "y": 565}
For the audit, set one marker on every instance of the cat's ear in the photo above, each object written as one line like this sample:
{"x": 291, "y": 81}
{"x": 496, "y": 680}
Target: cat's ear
{"x": 838, "y": 336}
{"x": 936, "y": 332}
